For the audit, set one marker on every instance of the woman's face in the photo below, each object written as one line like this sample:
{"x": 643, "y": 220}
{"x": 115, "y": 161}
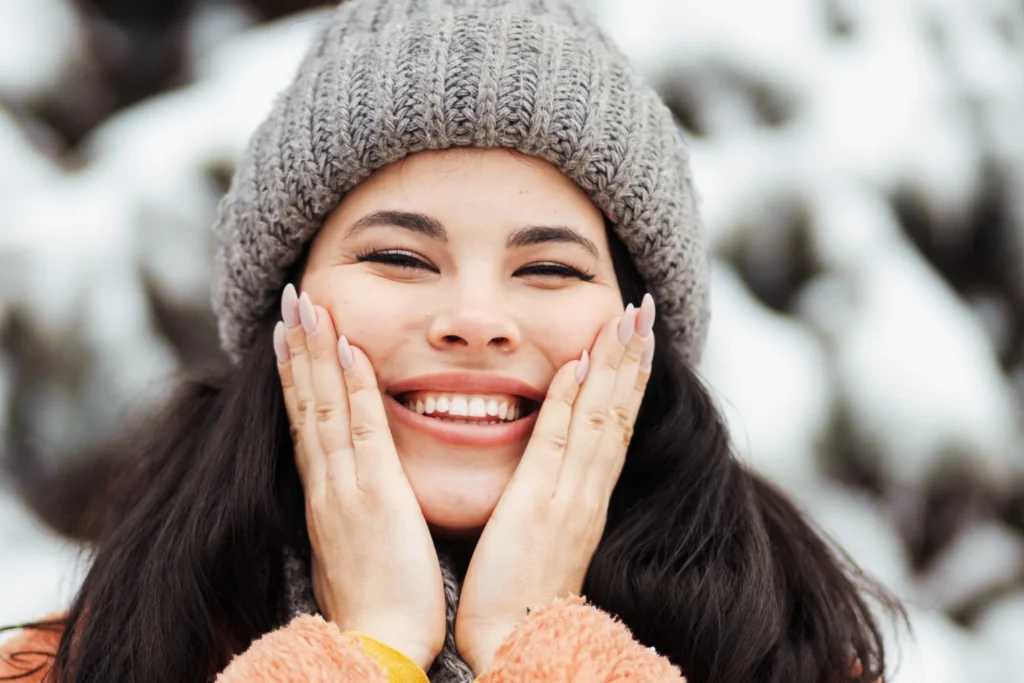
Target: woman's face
{"x": 468, "y": 277}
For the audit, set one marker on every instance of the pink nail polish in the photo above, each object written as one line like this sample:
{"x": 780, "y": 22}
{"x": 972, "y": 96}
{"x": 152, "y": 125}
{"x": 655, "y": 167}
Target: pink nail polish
{"x": 648, "y": 354}
{"x": 582, "y": 367}
{"x": 290, "y": 306}
{"x": 627, "y": 325}
{"x": 307, "y": 314}
{"x": 281, "y": 344}
{"x": 345, "y": 356}
{"x": 645, "y": 317}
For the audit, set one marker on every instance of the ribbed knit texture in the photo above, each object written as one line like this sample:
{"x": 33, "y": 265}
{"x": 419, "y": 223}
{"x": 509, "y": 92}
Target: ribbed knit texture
{"x": 387, "y": 78}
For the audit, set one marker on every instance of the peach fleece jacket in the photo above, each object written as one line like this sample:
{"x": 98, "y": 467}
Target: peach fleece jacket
{"x": 567, "y": 641}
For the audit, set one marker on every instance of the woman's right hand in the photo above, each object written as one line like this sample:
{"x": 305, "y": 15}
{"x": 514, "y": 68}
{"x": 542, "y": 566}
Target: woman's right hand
{"x": 375, "y": 570}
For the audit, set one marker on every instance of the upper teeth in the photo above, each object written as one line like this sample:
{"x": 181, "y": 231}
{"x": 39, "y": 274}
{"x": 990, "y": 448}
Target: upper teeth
{"x": 464, "y": 405}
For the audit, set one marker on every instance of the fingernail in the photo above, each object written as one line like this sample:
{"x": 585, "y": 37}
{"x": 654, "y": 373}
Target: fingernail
{"x": 648, "y": 354}
{"x": 645, "y": 318}
{"x": 307, "y": 314}
{"x": 280, "y": 344}
{"x": 290, "y": 306}
{"x": 345, "y": 353}
{"x": 582, "y": 367}
{"x": 627, "y": 325}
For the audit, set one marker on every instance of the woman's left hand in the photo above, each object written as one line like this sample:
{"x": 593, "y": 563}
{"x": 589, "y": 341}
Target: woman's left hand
{"x": 542, "y": 535}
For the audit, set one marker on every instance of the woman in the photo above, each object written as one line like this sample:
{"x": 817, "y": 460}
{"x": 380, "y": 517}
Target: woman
{"x": 472, "y": 416}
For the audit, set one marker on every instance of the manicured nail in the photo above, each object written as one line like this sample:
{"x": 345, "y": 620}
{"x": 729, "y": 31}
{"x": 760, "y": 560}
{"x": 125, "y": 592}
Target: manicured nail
{"x": 280, "y": 344}
{"x": 645, "y": 318}
{"x": 345, "y": 353}
{"x": 648, "y": 354}
{"x": 582, "y": 367}
{"x": 307, "y": 314}
{"x": 627, "y": 325}
{"x": 290, "y": 306}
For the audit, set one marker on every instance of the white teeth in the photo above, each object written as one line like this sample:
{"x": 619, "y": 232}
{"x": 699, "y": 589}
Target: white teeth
{"x": 477, "y": 407}
{"x": 456, "y": 406}
{"x": 459, "y": 406}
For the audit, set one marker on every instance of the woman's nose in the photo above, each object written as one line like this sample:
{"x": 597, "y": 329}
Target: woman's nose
{"x": 475, "y": 327}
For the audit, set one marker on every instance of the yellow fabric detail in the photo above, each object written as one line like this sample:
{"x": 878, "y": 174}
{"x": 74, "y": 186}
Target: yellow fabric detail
{"x": 397, "y": 667}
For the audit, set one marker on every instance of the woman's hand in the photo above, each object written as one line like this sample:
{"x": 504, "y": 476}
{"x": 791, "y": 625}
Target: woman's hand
{"x": 544, "y": 531}
{"x": 375, "y": 569}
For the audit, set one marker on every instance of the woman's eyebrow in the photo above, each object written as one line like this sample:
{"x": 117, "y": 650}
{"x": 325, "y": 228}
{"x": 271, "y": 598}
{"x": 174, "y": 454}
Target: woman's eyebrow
{"x": 417, "y": 222}
{"x": 539, "y": 234}
{"x": 434, "y": 229}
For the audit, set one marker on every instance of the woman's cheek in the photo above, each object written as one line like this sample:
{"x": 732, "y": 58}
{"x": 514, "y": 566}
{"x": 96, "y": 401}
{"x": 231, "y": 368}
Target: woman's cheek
{"x": 373, "y": 320}
{"x": 563, "y": 334}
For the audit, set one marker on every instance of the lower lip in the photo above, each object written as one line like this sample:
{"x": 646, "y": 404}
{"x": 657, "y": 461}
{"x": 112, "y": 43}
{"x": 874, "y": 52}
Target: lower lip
{"x": 464, "y": 433}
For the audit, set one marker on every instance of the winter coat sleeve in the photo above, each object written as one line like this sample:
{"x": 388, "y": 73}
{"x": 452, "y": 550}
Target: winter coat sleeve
{"x": 569, "y": 641}
{"x": 311, "y": 649}
{"x": 28, "y": 656}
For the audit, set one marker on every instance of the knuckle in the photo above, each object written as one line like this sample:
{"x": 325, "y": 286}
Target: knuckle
{"x": 627, "y": 434}
{"x": 557, "y": 441}
{"x": 296, "y": 435}
{"x": 327, "y": 412}
{"x": 597, "y": 419}
{"x": 304, "y": 406}
{"x": 361, "y": 433}
{"x": 610, "y": 361}
{"x": 319, "y": 350}
{"x": 634, "y": 351}
{"x": 566, "y": 398}
{"x": 620, "y": 416}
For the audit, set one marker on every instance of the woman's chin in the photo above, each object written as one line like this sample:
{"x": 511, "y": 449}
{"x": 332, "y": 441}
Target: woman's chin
{"x": 458, "y": 502}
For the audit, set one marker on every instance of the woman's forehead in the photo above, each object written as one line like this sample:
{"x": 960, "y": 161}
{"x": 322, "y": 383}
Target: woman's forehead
{"x": 472, "y": 190}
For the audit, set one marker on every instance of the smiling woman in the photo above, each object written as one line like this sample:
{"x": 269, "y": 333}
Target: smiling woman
{"x": 461, "y": 277}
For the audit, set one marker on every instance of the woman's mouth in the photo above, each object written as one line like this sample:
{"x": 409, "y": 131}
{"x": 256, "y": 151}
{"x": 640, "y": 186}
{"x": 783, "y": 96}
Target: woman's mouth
{"x": 467, "y": 408}
{"x": 466, "y": 419}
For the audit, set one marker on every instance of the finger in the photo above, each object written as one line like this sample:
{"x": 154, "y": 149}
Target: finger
{"x": 591, "y": 412}
{"x": 542, "y": 459}
{"x": 284, "y": 372}
{"x": 329, "y": 394}
{"x": 642, "y": 379}
{"x": 303, "y": 417}
{"x": 376, "y": 460}
{"x": 606, "y": 466}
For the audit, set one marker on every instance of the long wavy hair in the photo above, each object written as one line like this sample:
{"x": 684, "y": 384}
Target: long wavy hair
{"x": 701, "y": 558}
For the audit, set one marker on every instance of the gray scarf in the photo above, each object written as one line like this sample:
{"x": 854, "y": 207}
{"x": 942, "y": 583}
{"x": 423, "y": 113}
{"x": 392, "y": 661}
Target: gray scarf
{"x": 447, "y": 668}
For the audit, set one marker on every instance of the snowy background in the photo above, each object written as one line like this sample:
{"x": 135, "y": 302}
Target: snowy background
{"x": 862, "y": 170}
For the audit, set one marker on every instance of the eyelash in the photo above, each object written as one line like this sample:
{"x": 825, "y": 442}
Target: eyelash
{"x": 404, "y": 259}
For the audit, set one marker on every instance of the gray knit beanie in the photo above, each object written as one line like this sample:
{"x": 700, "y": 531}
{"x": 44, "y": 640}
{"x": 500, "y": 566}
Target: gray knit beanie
{"x": 387, "y": 78}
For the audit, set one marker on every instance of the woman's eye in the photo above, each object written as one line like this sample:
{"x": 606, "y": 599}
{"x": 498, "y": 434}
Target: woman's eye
{"x": 402, "y": 259}
{"x": 556, "y": 269}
